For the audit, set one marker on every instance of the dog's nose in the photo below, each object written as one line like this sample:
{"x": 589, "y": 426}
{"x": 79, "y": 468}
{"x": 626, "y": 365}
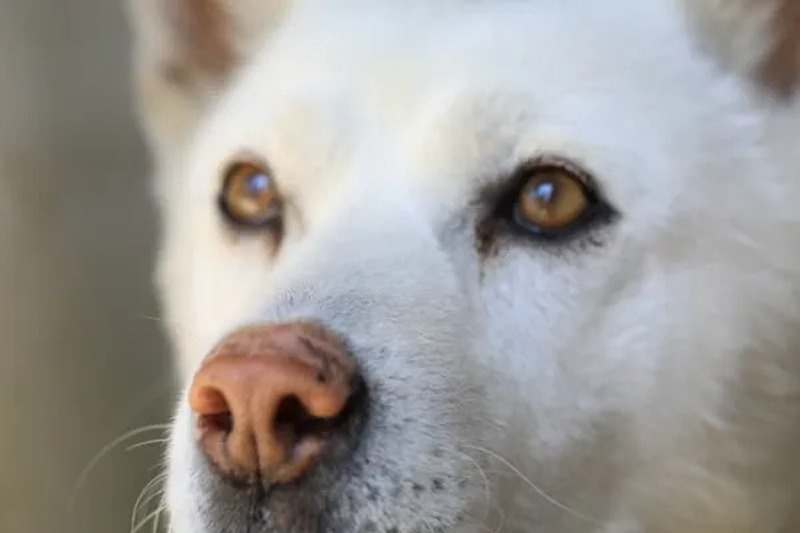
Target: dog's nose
{"x": 269, "y": 400}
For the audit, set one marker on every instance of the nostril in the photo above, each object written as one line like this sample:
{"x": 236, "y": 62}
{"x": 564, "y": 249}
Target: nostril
{"x": 212, "y": 408}
{"x": 222, "y": 422}
{"x": 293, "y": 417}
{"x": 291, "y": 413}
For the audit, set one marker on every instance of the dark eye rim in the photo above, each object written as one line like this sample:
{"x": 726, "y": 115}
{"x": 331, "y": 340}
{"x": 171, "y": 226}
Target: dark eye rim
{"x": 506, "y": 207}
{"x": 271, "y": 221}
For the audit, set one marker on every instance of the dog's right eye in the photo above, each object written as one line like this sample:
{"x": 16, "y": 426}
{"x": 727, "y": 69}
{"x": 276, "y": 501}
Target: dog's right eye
{"x": 250, "y": 195}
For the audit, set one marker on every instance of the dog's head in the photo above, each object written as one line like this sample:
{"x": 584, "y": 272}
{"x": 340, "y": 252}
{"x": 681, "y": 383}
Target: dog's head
{"x": 438, "y": 265}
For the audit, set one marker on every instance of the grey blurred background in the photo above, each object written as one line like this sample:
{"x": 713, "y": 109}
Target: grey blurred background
{"x": 80, "y": 361}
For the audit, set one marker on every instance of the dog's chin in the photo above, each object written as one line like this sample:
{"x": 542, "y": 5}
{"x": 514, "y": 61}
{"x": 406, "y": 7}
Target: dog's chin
{"x": 301, "y": 508}
{"x": 382, "y": 484}
{"x": 332, "y": 500}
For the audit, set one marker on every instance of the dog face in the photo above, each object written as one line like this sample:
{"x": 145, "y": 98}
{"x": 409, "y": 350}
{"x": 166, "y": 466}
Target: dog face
{"x": 557, "y": 242}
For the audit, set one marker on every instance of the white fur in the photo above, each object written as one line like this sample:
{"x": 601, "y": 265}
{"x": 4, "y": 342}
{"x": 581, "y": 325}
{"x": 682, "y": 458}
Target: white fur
{"x": 650, "y": 383}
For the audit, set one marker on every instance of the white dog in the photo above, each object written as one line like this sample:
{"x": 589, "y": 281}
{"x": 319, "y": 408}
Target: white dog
{"x": 479, "y": 265}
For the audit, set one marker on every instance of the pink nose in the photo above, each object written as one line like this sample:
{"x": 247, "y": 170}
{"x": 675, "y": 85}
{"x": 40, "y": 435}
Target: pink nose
{"x": 269, "y": 398}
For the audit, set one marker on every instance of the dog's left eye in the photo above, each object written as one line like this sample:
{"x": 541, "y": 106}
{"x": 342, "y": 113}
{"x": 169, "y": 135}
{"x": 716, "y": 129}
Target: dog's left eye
{"x": 250, "y": 195}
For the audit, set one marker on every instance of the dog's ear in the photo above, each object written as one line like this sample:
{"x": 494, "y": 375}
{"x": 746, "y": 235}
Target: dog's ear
{"x": 185, "y": 52}
{"x": 758, "y": 38}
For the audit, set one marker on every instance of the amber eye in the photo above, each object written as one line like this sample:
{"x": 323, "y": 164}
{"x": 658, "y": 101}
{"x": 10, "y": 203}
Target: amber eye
{"x": 551, "y": 201}
{"x": 250, "y": 195}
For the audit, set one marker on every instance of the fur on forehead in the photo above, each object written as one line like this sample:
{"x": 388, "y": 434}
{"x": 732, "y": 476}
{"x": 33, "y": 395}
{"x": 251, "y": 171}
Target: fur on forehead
{"x": 187, "y": 50}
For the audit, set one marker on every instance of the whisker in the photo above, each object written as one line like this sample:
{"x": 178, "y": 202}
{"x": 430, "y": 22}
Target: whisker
{"x": 146, "y": 443}
{"x": 481, "y": 472}
{"x": 487, "y": 492}
{"x": 541, "y": 492}
{"x": 94, "y": 461}
{"x": 157, "y": 519}
{"x": 148, "y": 518}
{"x": 149, "y": 317}
{"x": 143, "y": 497}
{"x": 165, "y": 323}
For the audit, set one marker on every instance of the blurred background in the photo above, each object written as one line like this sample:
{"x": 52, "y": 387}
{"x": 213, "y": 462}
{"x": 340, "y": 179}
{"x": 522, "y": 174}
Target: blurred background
{"x": 82, "y": 357}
